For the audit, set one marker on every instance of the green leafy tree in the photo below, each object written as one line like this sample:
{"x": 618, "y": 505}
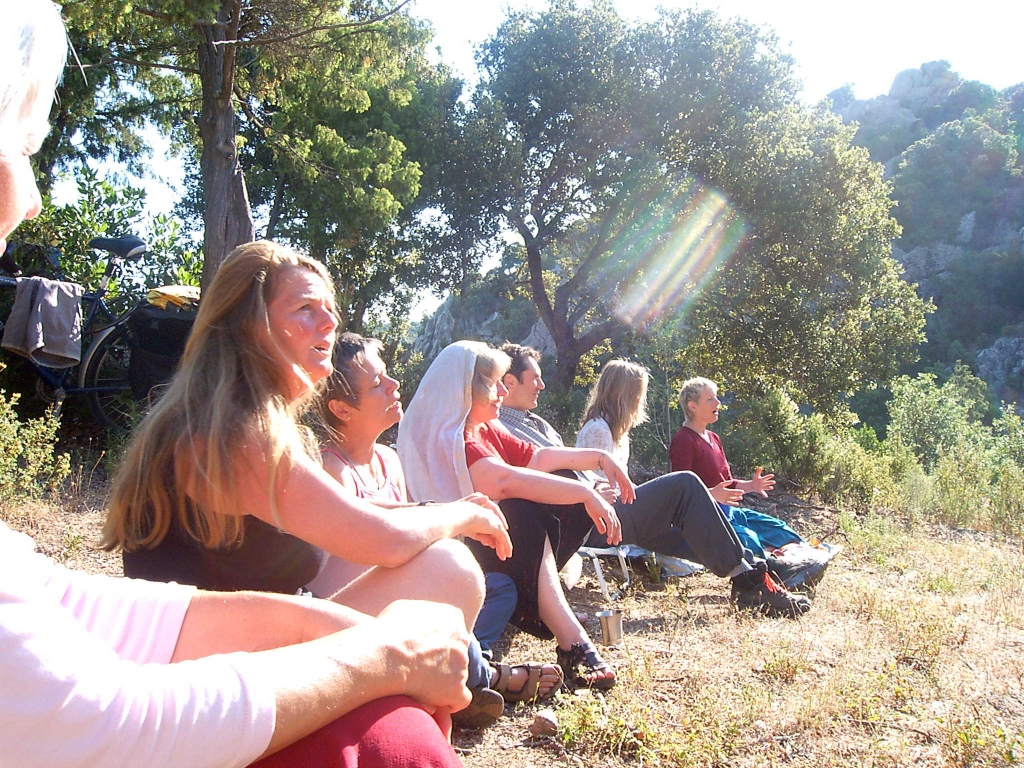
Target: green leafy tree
{"x": 666, "y": 172}
{"x": 966, "y": 165}
{"x": 336, "y": 159}
{"x": 231, "y": 57}
{"x": 103, "y": 104}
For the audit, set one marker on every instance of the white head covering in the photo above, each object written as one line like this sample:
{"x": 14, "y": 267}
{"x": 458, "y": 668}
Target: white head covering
{"x": 430, "y": 436}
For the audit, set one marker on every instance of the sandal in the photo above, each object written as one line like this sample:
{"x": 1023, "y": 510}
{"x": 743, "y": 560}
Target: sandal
{"x": 584, "y": 655}
{"x": 529, "y": 690}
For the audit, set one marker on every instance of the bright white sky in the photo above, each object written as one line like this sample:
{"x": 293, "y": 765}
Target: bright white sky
{"x": 864, "y": 43}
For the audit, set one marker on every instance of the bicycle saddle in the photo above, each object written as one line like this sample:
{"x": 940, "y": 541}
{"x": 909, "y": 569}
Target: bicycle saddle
{"x": 128, "y": 247}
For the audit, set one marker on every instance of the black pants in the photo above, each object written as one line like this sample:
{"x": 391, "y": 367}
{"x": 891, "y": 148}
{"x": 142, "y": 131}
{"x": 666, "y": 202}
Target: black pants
{"x": 529, "y": 524}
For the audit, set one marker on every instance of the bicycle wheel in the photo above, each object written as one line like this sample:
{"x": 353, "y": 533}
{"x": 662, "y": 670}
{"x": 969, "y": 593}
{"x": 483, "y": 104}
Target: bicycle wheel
{"x": 105, "y": 373}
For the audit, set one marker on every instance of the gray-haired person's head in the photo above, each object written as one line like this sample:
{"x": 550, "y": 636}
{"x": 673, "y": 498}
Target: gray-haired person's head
{"x": 33, "y": 49}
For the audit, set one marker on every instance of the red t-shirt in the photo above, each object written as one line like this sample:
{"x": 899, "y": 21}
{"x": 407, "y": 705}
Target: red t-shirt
{"x": 690, "y": 451}
{"x": 495, "y": 441}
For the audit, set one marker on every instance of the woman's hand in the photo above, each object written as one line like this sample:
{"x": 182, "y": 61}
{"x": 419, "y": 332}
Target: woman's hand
{"x": 617, "y": 476}
{"x": 758, "y": 483}
{"x": 486, "y": 523}
{"x": 725, "y": 495}
{"x": 608, "y": 491}
{"x": 605, "y": 519}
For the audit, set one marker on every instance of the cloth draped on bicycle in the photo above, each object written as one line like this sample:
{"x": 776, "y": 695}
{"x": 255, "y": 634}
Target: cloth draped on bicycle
{"x": 169, "y": 296}
{"x": 45, "y": 324}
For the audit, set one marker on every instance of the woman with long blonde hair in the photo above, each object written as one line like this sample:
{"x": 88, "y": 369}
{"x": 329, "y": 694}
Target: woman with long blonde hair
{"x": 100, "y": 670}
{"x": 617, "y": 403}
{"x": 222, "y": 488}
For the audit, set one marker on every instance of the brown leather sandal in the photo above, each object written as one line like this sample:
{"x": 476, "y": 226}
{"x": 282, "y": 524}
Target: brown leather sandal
{"x": 529, "y": 691}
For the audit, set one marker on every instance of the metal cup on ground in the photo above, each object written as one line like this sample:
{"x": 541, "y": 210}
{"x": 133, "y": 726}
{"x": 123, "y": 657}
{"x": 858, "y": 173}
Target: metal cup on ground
{"x": 611, "y": 626}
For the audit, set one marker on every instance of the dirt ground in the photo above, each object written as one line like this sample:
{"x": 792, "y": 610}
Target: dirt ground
{"x": 911, "y": 655}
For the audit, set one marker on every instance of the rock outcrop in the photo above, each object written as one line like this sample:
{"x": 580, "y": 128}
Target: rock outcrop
{"x": 1002, "y": 367}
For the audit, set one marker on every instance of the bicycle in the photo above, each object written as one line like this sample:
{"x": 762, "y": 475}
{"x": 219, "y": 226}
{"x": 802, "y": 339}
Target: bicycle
{"x": 115, "y": 372}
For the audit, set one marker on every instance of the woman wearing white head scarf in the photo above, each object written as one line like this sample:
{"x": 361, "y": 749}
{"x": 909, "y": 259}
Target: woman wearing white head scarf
{"x": 451, "y": 444}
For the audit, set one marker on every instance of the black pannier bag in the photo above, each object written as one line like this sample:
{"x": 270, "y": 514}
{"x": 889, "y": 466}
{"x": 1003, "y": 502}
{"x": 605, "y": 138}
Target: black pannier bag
{"x": 158, "y": 342}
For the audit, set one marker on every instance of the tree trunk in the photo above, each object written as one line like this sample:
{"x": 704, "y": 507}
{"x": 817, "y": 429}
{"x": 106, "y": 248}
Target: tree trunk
{"x": 276, "y": 209}
{"x": 227, "y": 217}
{"x": 566, "y": 363}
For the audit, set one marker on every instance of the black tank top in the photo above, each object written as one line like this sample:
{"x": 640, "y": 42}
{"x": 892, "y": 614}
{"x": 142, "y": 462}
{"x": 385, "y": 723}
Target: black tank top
{"x": 267, "y": 560}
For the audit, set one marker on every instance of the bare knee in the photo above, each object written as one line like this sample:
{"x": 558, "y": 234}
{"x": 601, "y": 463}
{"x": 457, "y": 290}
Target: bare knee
{"x": 450, "y": 563}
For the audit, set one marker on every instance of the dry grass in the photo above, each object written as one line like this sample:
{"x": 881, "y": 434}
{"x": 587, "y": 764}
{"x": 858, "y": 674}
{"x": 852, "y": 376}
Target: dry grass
{"x": 912, "y": 655}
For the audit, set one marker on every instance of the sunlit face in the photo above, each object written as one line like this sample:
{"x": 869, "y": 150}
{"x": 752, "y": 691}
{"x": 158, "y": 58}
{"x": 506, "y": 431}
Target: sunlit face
{"x": 379, "y": 404}
{"x": 482, "y": 412}
{"x": 19, "y": 195}
{"x": 524, "y": 391}
{"x": 302, "y": 321}
{"x": 704, "y": 410}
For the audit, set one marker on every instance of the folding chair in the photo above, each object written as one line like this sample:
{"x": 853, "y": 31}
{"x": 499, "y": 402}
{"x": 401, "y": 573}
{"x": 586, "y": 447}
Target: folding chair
{"x": 594, "y": 553}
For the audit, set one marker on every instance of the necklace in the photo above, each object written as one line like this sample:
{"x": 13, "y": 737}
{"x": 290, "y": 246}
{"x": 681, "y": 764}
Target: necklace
{"x": 375, "y": 483}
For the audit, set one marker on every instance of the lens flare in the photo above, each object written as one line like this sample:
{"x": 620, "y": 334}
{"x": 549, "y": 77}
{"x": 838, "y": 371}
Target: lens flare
{"x": 668, "y": 255}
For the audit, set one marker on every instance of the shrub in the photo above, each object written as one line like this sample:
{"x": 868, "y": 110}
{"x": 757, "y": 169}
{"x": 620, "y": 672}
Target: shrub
{"x": 28, "y": 465}
{"x": 866, "y": 473}
{"x": 930, "y": 419}
{"x": 770, "y": 432}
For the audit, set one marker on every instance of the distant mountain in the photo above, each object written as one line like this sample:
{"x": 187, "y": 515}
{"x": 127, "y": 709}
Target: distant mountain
{"x": 952, "y": 149}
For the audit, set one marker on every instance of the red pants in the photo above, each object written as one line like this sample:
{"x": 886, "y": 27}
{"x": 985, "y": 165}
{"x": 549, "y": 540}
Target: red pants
{"x": 388, "y": 733}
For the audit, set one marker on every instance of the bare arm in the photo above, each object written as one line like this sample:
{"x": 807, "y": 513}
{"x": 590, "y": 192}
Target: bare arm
{"x": 224, "y": 622}
{"x": 325, "y": 660}
{"x": 314, "y": 507}
{"x": 413, "y": 648}
{"x": 550, "y": 459}
{"x": 497, "y": 480}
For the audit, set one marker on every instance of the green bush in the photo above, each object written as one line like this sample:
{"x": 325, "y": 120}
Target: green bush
{"x": 866, "y": 473}
{"x": 931, "y": 420}
{"x": 1008, "y": 499}
{"x": 770, "y": 432}
{"x": 1008, "y": 430}
{"x": 28, "y": 465}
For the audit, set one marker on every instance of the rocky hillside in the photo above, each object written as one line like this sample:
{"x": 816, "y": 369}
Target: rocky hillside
{"x": 952, "y": 149}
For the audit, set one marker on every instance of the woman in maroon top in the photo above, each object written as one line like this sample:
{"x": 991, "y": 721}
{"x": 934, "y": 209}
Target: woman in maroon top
{"x": 699, "y": 450}
{"x": 452, "y": 444}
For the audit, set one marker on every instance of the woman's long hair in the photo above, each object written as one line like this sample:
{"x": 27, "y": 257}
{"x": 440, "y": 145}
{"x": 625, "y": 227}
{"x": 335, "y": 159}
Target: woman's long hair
{"x": 619, "y": 397}
{"x": 230, "y": 391}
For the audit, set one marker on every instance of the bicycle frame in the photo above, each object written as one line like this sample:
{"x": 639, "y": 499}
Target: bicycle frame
{"x": 60, "y": 380}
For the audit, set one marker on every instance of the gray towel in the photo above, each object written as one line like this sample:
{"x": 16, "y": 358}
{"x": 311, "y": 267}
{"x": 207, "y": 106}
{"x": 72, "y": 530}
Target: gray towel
{"x": 45, "y": 324}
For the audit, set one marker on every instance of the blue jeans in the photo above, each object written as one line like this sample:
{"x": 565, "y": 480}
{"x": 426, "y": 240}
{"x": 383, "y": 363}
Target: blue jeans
{"x": 499, "y": 603}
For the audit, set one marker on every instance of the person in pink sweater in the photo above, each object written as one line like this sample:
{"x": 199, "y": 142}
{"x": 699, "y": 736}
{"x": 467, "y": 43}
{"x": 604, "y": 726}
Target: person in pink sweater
{"x": 102, "y": 671}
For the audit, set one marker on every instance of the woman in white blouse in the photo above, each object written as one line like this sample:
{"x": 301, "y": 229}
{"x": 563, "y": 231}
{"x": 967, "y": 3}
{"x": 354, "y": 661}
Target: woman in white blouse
{"x": 618, "y": 402}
